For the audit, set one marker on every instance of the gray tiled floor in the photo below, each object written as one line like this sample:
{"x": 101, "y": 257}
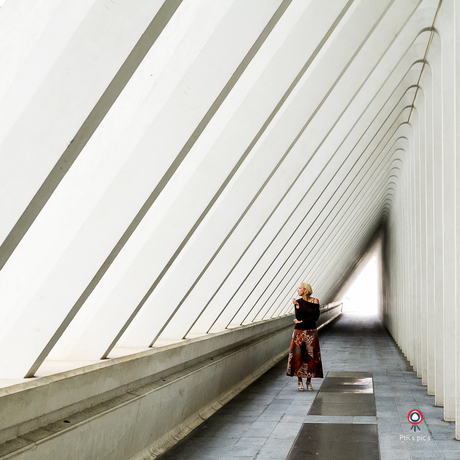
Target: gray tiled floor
{"x": 263, "y": 421}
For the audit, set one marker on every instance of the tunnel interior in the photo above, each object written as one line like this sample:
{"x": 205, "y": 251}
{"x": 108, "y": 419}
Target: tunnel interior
{"x": 171, "y": 170}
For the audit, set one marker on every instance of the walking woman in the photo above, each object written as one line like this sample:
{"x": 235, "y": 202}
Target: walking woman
{"x": 304, "y": 355}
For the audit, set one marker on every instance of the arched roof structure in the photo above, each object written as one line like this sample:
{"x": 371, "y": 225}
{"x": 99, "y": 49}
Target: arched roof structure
{"x": 171, "y": 169}
{"x": 182, "y": 169}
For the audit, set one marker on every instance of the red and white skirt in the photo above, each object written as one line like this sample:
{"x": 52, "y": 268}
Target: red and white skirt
{"x": 305, "y": 355}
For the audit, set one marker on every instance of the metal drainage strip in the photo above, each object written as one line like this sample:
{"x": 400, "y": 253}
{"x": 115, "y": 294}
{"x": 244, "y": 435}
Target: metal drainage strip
{"x": 341, "y": 394}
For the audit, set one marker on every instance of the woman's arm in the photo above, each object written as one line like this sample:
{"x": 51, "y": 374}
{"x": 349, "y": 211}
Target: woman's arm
{"x": 296, "y": 304}
{"x": 316, "y": 310}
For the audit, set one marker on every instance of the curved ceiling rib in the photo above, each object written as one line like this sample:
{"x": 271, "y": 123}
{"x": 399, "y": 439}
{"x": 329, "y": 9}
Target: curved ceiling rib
{"x": 178, "y": 171}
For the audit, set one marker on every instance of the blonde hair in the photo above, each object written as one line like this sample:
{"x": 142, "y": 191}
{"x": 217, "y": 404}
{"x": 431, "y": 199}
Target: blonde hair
{"x": 307, "y": 287}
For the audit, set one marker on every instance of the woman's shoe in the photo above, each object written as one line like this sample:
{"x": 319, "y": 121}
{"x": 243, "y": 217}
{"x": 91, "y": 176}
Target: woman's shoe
{"x": 300, "y": 385}
{"x": 309, "y": 387}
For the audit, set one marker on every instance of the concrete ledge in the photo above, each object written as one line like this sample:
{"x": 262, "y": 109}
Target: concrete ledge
{"x": 183, "y": 429}
{"x": 65, "y": 393}
{"x": 140, "y": 405}
{"x": 117, "y": 408}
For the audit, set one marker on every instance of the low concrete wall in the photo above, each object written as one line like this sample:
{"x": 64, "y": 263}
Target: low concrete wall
{"x": 118, "y": 408}
{"x": 138, "y": 406}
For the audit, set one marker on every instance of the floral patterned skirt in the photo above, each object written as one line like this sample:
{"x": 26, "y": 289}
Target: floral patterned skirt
{"x": 304, "y": 355}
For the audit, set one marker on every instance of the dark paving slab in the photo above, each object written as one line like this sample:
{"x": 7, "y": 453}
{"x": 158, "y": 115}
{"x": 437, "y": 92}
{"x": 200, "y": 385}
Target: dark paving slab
{"x": 347, "y": 385}
{"x": 350, "y": 374}
{"x": 330, "y": 441}
{"x": 345, "y": 398}
{"x": 339, "y": 409}
{"x": 347, "y": 394}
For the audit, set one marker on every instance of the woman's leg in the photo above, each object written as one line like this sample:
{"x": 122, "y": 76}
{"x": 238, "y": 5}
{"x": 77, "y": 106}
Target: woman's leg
{"x": 309, "y": 386}
{"x": 300, "y": 384}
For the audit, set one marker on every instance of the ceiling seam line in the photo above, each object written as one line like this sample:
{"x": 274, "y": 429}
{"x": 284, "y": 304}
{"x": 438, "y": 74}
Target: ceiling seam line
{"x": 428, "y": 46}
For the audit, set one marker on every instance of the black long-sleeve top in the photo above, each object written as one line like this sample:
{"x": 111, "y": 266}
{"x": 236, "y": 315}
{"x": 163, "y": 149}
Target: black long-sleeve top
{"x": 308, "y": 313}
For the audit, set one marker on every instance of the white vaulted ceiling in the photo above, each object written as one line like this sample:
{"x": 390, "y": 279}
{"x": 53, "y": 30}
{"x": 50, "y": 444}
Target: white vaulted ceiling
{"x": 173, "y": 168}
